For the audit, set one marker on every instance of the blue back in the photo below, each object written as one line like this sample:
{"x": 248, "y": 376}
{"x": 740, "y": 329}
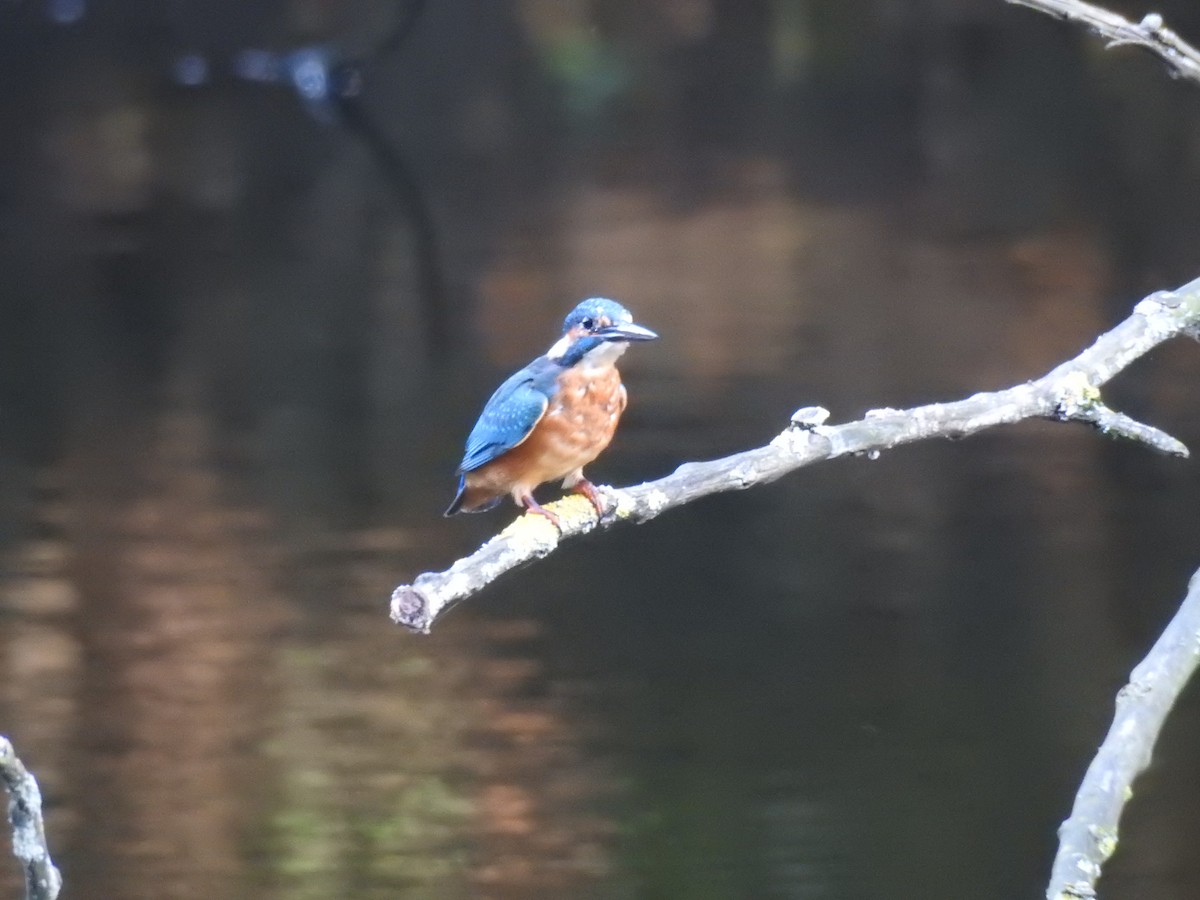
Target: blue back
{"x": 511, "y": 413}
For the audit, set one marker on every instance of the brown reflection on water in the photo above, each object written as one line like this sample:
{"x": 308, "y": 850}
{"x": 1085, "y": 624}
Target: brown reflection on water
{"x": 198, "y": 737}
{"x": 174, "y": 603}
{"x": 845, "y": 305}
{"x": 41, "y": 662}
{"x": 719, "y": 275}
{"x": 542, "y": 788}
{"x": 217, "y": 710}
{"x": 198, "y": 664}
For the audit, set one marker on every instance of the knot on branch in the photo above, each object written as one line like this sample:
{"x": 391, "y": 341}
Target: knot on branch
{"x": 1105, "y": 839}
{"x": 1078, "y": 397}
{"x": 809, "y": 418}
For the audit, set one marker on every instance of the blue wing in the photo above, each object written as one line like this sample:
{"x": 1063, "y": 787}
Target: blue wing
{"x": 510, "y": 415}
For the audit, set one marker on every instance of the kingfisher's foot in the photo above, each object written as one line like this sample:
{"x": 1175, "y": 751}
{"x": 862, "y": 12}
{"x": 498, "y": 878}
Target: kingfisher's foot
{"x": 537, "y": 509}
{"x": 588, "y": 490}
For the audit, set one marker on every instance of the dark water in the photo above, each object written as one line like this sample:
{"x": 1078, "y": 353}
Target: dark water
{"x": 242, "y": 339}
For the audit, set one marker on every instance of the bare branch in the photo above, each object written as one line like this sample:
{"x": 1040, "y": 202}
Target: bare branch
{"x": 1150, "y": 33}
{"x": 1071, "y": 392}
{"x": 1089, "y": 836}
{"x": 42, "y": 879}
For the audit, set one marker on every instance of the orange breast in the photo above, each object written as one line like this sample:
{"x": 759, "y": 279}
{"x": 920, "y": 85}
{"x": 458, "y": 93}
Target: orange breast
{"x": 578, "y": 424}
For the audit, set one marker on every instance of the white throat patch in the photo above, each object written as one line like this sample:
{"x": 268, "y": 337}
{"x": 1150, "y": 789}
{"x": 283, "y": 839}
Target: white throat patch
{"x": 605, "y": 355}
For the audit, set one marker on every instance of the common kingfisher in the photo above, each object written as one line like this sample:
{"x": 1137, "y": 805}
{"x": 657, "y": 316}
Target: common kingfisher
{"x": 553, "y": 417}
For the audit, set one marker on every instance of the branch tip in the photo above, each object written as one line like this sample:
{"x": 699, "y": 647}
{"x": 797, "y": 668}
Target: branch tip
{"x": 410, "y": 608}
{"x": 1117, "y": 424}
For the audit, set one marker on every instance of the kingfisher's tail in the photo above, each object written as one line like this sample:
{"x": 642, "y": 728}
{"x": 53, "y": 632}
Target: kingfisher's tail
{"x": 457, "y": 502}
{"x": 463, "y": 503}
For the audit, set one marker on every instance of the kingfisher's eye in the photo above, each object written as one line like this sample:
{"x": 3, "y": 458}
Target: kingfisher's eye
{"x": 588, "y": 324}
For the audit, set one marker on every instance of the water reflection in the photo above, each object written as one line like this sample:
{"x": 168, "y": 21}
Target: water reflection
{"x": 200, "y": 738}
{"x": 870, "y": 674}
{"x": 227, "y": 436}
{"x": 883, "y": 661}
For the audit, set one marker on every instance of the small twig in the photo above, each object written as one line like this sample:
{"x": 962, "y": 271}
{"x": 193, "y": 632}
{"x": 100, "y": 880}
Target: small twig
{"x": 1150, "y": 33}
{"x": 1089, "y": 837}
{"x": 1118, "y": 424}
{"x": 1069, "y": 392}
{"x": 42, "y": 879}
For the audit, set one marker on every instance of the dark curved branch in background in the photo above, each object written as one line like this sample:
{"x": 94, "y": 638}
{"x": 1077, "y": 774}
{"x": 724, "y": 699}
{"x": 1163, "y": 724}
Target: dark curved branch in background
{"x": 42, "y": 878}
{"x": 407, "y": 16}
{"x": 330, "y": 87}
{"x": 348, "y": 80}
{"x": 1181, "y": 57}
{"x": 406, "y": 191}
{"x": 1071, "y": 392}
{"x": 399, "y": 175}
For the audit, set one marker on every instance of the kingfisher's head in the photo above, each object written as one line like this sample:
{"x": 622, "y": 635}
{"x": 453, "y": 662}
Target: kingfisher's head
{"x": 595, "y": 333}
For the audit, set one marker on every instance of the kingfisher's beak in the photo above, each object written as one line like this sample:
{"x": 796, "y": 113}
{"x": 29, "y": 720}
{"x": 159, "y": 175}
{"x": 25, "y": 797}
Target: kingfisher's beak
{"x": 628, "y": 332}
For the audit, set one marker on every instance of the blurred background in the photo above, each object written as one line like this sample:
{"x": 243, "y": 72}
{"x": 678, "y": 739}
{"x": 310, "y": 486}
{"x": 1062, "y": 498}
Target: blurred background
{"x": 261, "y": 263}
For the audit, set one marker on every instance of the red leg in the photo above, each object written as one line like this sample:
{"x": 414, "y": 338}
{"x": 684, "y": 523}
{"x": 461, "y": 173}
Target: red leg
{"x": 588, "y": 490}
{"x": 537, "y": 509}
